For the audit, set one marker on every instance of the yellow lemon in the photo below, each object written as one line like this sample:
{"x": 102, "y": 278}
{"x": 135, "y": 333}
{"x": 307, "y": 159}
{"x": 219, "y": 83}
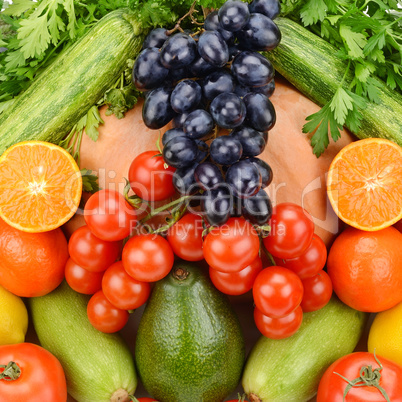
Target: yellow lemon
{"x": 13, "y": 318}
{"x": 385, "y": 334}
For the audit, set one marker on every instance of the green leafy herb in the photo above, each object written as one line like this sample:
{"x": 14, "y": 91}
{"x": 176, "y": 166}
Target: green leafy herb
{"x": 368, "y": 34}
{"x": 89, "y": 181}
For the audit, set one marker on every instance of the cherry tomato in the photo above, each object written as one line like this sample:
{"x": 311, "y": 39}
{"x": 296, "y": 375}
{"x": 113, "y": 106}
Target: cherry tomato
{"x": 147, "y": 257}
{"x": 332, "y": 385}
{"x": 146, "y": 399}
{"x": 82, "y": 280}
{"x": 278, "y": 328}
{"x": 185, "y": 238}
{"x": 292, "y": 231}
{"x": 150, "y": 178}
{"x": 236, "y": 283}
{"x": 122, "y": 290}
{"x": 310, "y": 262}
{"x": 104, "y": 316}
{"x": 317, "y": 292}
{"x": 232, "y": 246}
{"x": 41, "y": 375}
{"x": 109, "y": 216}
{"x": 277, "y": 291}
{"x": 90, "y": 252}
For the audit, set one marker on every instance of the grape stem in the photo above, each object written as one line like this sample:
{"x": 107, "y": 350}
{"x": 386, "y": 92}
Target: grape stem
{"x": 190, "y": 13}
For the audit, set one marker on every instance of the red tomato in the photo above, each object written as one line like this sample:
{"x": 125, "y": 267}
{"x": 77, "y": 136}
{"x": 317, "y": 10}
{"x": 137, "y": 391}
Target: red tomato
{"x": 147, "y": 257}
{"x": 277, "y": 291}
{"x": 82, "y": 280}
{"x": 185, "y": 238}
{"x": 292, "y": 231}
{"x": 122, "y": 290}
{"x": 90, "y": 252}
{"x": 310, "y": 262}
{"x": 109, "y": 216}
{"x": 104, "y": 316}
{"x": 232, "y": 246}
{"x": 278, "y": 328}
{"x": 41, "y": 375}
{"x": 150, "y": 178}
{"x": 332, "y": 386}
{"x": 146, "y": 399}
{"x": 236, "y": 283}
{"x": 317, "y": 292}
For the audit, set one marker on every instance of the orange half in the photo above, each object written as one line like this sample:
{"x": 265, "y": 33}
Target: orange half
{"x": 40, "y": 186}
{"x": 364, "y": 184}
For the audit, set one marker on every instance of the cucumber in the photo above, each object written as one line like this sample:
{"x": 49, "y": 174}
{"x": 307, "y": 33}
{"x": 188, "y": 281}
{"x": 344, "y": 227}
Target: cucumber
{"x": 311, "y": 65}
{"x": 99, "y": 367}
{"x": 289, "y": 370}
{"x": 73, "y": 83}
{"x": 189, "y": 345}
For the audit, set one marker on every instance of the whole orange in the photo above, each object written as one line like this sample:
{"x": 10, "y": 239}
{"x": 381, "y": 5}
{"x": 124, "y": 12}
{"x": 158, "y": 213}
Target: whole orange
{"x": 31, "y": 264}
{"x": 366, "y": 268}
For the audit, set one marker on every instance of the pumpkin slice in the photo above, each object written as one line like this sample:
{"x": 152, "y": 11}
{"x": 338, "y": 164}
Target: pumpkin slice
{"x": 40, "y": 186}
{"x": 364, "y": 184}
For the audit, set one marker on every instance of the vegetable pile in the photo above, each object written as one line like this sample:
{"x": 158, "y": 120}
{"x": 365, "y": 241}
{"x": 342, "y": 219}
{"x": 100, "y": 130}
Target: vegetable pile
{"x": 196, "y": 234}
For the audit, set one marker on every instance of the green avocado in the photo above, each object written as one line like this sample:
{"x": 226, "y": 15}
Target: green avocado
{"x": 189, "y": 345}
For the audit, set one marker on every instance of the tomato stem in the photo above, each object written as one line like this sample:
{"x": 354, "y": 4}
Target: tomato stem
{"x": 164, "y": 208}
{"x": 368, "y": 378}
{"x": 266, "y": 252}
{"x": 11, "y": 371}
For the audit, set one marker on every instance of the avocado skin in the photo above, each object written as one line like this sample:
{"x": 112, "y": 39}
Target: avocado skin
{"x": 189, "y": 345}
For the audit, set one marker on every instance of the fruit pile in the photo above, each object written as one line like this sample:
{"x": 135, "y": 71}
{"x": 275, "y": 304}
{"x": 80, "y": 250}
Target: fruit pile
{"x": 209, "y": 81}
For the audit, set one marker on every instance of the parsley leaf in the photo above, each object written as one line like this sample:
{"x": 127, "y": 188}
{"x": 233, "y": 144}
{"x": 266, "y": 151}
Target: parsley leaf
{"x": 369, "y": 36}
{"x": 89, "y": 181}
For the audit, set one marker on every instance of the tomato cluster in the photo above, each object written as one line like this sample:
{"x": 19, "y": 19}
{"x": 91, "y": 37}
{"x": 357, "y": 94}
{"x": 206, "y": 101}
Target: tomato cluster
{"x": 281, "y": 293}
{"x": 93, "y": 268}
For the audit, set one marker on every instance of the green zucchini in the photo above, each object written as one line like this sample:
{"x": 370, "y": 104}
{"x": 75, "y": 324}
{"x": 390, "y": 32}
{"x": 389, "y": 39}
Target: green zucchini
{"x": 311, "y": 65}
{"x": 99, "y": 367}
{"x": 76, "y": 80}
{"x": 289, "y": 370}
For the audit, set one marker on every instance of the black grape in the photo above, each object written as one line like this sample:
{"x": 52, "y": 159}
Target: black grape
{"x": 177, "y": 74}
{"x": 172, "y": 133}
{"x": 200, "y": 67}
{"x": 217, "y": 83}
{"x": 236, "y": 210}
{"x": 228, "y": 110}
{"x": 156, "y": 38}
{"x": 213, "y": 48}
{"x": 156, "y": 111}
{"x": 208, "y": 175}
{"x": 180, "y": 152}
{"x": 251, "y": 69}
{"x": 185, "y": 96}
{"x": 203, "y": 150}
{"x": 260, "y": 33}
{"x": 270, "y": 8}
{"x": 179, "y": 119}
{"x": 198, "y": 124}
{"x": 184, "y": 181}
{"x": 265, "y": 171}
{"x": 252, "y": 141}
{"x": 178, "y": 51}
{"x": 211, "y": 23}
{"x": 266, "y": 90}
{"x": 225, "y": 150}
{"x": 233, "y": 15}
{"x": 258, "y": 208}
{"x": 260, "y": 112}
{"x": 217, "y": 205}
{"x": 244, "y": 179}
{"x": 148, "y": 72}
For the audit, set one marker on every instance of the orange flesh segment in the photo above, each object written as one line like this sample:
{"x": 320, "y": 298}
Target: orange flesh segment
{"x": 365, "y": 184}
{"x": 40, "y": 186}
